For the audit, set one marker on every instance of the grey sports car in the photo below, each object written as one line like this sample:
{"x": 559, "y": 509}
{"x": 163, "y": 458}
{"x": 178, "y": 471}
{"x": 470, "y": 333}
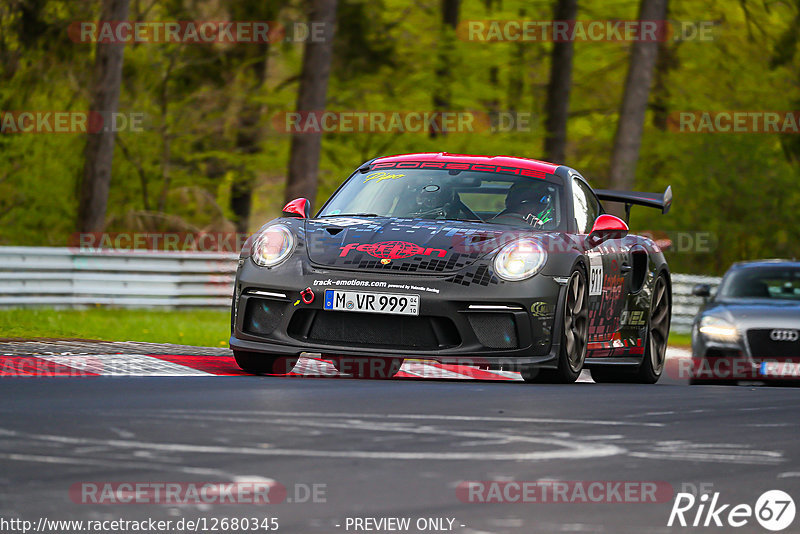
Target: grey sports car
{"x": 750, "y": 329}
{"x": 501, "y": 262}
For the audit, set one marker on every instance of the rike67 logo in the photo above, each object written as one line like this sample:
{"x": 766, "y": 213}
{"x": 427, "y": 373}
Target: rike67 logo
{"x": 774, "y": 510}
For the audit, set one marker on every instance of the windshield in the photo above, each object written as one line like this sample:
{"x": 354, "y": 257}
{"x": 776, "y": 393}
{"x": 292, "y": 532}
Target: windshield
{"x": 773, "y": 282}
{"x": 451, "y": 195}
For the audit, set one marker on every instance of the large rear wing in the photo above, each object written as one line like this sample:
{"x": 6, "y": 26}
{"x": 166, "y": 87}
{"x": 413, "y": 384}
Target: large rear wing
{"x": 630, "y": 198}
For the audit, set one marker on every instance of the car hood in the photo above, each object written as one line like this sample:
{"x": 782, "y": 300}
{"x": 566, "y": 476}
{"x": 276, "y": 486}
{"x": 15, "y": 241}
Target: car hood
{"x": 405, "y": 245}
{"x": 758, "y": 313}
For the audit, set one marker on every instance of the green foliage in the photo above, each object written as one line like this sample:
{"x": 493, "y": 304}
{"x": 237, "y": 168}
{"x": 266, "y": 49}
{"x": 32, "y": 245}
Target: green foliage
{"x": 180, "y": 169}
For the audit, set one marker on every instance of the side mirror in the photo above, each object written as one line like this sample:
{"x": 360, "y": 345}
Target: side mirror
{"x": 606, "y": 227}
{"x": 299, "y": 207}
{"x": 701, "y": 290}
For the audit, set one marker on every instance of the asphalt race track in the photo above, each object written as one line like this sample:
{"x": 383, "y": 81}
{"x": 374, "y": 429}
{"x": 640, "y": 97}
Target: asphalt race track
{"x": 351, "y": 449}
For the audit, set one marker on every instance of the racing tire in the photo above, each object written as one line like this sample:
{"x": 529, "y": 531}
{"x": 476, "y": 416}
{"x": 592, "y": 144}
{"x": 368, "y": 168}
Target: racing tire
{"x": 375, "y": 368}
{"x": 652, "y": 366}
{"x": 259, "y": 363}
{"x": 574, "y": 337}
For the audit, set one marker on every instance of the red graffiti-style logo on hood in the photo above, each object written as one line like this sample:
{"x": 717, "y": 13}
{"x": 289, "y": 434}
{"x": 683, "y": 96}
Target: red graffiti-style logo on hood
{"x": 392, "y": 250}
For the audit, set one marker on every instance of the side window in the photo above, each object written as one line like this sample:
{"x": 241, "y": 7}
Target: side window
{"x": 587, "y": 207}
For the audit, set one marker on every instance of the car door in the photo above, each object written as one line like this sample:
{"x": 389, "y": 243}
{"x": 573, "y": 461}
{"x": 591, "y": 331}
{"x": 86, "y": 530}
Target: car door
{"x": 607, "y": 271}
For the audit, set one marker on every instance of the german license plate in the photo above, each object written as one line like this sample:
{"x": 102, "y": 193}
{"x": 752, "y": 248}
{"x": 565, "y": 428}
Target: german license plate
{"x": 369, "y": 302}
{"x": 780, "y": 369}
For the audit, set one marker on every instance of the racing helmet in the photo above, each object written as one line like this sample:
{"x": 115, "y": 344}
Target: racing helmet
{"x": 533, "y": 201}
{"x": 434, "y": 199}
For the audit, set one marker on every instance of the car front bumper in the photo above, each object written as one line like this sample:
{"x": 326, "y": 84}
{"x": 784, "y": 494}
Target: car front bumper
{"x": 497, "y": 325}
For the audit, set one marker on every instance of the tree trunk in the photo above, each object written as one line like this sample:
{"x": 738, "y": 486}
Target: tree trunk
{"x": 305, "y": 147}
{"x": 443, "y": 81}
{"x": 104, "y": 99}
{"x": 628, "y": 138}
{"x": 247, "y": 142}
{"x": 249, "y": 134}
{"x": 248, "y": 137}
{"x": 559, "y": 87}
{"x": 667, "y": 62}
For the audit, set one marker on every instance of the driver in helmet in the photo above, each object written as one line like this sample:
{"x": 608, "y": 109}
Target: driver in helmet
{"x": 529, "y": 202}
{"x": 435, "y": 201}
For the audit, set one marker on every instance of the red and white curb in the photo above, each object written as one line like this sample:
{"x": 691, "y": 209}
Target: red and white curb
{"x": 72, "y": 365}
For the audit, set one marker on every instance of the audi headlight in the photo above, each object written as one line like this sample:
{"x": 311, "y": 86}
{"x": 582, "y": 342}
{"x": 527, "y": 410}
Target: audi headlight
{"x": 273, "y": 246}
{"x": 519, "y": 260}
{"x": 718, "y": 329}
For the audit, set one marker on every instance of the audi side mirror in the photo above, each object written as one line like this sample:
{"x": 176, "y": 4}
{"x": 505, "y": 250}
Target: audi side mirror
{"x": 299, "y": 208}
{"x": 701, "y": 290}
{"x": 606, "y": 227}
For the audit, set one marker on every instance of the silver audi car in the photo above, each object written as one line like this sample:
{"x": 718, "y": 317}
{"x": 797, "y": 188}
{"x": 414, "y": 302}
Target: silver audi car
{"x": 749, "y": 329}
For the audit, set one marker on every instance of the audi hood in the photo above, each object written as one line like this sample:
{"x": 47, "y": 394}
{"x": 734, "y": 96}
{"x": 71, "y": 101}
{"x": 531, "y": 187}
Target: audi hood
{"x": 758, "y": 313}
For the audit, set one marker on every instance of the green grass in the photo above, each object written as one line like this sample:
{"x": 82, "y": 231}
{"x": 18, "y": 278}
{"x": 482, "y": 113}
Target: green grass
{"x": 200, "y": 328}
{"x": 683, "y": 341}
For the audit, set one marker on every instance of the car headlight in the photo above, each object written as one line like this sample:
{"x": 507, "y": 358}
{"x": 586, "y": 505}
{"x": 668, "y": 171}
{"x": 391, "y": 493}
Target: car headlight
{"x": 520, "y": 260}
{"x": 273, "y": 246}
{"x": 718, "y": 329}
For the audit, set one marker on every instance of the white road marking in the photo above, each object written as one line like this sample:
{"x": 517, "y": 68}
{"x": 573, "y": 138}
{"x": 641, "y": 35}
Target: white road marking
{"x": 115, "y": 463}
{"x": 314, "y": 366}
{"x": 429, "y": 417}
{"x": 122, "y": 433}
{"x": 675, "y": 352}
{"x": 557, "y": 449}
{"x": 49, "y": 459}
{"x": 425, "y": 370}
{"x": 710, "y": 452}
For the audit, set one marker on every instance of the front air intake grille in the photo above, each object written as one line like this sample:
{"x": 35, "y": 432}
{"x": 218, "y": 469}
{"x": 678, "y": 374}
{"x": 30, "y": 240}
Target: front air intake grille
{"x": 262, "y": 316}
{"x": 372, "y": 330}
{"x": 762, "y": 346}
{"x": 494, "y": 330}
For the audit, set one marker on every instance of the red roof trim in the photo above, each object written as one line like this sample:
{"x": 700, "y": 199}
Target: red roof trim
{"x": 508, "y": 161}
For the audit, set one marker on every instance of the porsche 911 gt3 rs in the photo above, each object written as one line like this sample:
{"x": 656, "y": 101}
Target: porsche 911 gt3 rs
{"x": 500, "y": 262}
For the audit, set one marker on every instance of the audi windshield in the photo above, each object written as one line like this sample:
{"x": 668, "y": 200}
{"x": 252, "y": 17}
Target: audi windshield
{"x": 452, "y": 195}
{"x": 772, "y": 282}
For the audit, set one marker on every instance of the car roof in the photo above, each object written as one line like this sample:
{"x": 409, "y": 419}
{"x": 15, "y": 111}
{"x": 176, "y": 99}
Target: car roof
{"x": 766, "y": 263}
{"x": 511, "y": 161}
